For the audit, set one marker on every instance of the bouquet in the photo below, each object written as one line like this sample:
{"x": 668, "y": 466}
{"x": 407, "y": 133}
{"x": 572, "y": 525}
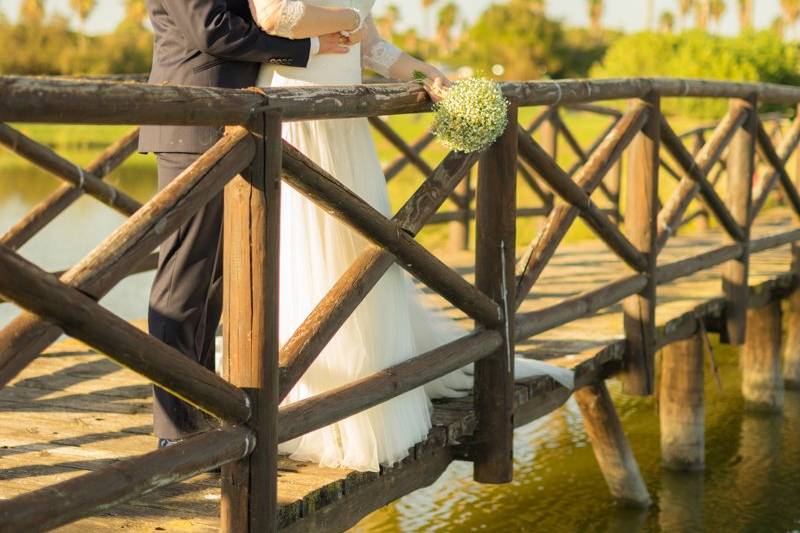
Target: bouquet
{"x": 472, "y": 114}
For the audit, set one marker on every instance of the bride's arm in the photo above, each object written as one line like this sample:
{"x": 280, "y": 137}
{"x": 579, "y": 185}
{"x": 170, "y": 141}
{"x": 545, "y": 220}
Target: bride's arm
{"x": 390, "y": 62}
{"x": 297, "y": 20}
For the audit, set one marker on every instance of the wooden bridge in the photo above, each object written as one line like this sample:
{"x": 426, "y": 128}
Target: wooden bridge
{"x": 75, "y": 426}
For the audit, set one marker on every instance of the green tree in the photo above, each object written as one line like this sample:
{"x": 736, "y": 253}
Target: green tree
{"x": 526, "y": 43}
{"x": 596, "y": 15}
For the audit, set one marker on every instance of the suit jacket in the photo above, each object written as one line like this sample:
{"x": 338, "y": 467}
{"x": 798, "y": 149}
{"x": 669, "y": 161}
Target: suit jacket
{"x": 208, "y": 43}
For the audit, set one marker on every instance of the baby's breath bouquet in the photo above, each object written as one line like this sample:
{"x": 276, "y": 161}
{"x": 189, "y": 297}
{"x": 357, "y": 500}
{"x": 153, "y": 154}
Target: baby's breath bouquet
{"x": 471, "y": 115}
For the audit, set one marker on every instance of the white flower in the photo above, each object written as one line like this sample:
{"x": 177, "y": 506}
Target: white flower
{"x": 472, "y": 115}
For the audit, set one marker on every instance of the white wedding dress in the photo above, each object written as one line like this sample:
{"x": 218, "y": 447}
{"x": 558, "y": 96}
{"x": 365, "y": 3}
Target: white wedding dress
{"x": 392, "y": 324}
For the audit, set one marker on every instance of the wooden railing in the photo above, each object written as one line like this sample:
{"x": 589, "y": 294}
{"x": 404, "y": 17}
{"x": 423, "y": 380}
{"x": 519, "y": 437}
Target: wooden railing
{"x": 251, "y": 162}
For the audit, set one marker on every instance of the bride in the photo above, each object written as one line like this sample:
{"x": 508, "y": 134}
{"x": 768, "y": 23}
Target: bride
{"x": 392, "y": 324}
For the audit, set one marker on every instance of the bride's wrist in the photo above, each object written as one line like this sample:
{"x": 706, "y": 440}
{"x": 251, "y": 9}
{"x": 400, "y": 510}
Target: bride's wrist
{"x": 358, "y": 22}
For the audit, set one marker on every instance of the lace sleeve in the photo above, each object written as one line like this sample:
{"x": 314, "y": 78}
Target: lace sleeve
{"x": 376, "y": 53}
{"x": 278, "y": 17}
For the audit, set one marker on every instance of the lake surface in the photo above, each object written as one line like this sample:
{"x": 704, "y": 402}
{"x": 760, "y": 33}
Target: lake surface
{"x": 752, "y": 481}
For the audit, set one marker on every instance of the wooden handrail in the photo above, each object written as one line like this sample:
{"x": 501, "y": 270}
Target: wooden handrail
{"x": 27, "y": 335}
{"x": 265, "y": 374}
{"x": 81, "y": 317}
{"x": 49, "y": 208}
{"x": 83, "y": 179}
{"x": 310, "y": 180}
{"x": 50, "y": 507}
{"x": 53, "y": 100}
{"x": 300, "y": 351}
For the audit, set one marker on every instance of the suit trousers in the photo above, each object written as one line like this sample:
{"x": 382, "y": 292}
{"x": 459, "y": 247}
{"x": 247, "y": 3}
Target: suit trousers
{"x": 186, "y": 299}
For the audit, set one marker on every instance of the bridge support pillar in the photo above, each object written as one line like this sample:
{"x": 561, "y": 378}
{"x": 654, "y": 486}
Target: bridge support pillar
{"x": 762, "y": 383}
{"x": 611, "y": 447}
{"x": 681, "y": 404}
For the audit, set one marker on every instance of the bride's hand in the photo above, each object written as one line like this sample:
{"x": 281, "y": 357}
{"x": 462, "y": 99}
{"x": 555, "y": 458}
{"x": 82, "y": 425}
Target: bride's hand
{"x": 352, "y": 38}
{"x": 435, "y": 83}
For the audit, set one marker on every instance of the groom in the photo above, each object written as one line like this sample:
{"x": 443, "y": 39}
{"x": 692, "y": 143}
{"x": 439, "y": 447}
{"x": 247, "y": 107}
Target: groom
{"x": 209, "y": 43}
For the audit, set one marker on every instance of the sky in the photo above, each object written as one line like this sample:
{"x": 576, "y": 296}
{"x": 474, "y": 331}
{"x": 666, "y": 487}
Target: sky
{"x": 628, "y": 15}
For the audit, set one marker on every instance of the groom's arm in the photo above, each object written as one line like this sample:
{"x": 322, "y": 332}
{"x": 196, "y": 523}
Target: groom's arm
{"x": 212, "y": 28}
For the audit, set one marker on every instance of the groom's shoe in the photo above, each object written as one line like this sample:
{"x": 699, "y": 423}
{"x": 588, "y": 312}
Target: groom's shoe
{"x": 166, "y": 443}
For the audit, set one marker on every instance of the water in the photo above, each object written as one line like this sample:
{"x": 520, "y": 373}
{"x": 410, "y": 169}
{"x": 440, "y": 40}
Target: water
{"x": 752, "y": 480}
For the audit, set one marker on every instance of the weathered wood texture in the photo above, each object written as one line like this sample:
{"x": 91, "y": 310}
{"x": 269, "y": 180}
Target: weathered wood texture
{"x": 103, "y": 489}
{"x": 641, "y": 212}
{"x": 111, "y": 261}
{"x": 494, "y": 275}
{"x": 104, "y": 102}
{"x": 791, "y": 348}
{"x": 741, "y": 167}
{"x": 762, "y": 383}
{"x": 300, "y": 351}
{"x": 611, "y": 447}
{"x": 69, "y": 391}
{"x": 251, "y": 336}
{"x": 82, "y": 318}
{"x": 681, "y": 404}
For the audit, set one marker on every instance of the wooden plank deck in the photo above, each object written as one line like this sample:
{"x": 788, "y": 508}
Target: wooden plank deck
{"x": 73, "y": 410}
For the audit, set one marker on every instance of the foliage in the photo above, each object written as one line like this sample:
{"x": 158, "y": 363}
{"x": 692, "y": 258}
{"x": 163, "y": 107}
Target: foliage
{"x": 44, "y": 45}
{"x": 527, "y": 43}
{"x": 761, "y": 56}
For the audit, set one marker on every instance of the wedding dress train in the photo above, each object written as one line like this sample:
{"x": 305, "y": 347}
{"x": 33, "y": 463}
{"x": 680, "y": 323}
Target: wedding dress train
{"x": 392, "y": 324}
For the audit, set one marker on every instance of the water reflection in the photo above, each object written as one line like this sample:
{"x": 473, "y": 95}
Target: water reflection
{"x": 752, "y": 482}
{"x": 81, "y": 227}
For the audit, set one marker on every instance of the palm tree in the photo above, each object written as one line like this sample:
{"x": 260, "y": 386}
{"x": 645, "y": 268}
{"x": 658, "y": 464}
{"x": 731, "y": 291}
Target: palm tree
{"x": 82, "y": 8}
{"x": 447, "y": 18}
{"x": 135, "y": 11}
{"x": 745, "y": 15}
{"x": 31, "y": 12}
{"x": 538, "y": 6}
{"x": 702, "y": 12}
{"x": 666, "y": 22}
{"x": 716, "y": 9}
{"x": 596, "y": 15}
{"x": 791, "y": 14}
{"x": 388, "y": 22}
{"x": 684, "y": 8}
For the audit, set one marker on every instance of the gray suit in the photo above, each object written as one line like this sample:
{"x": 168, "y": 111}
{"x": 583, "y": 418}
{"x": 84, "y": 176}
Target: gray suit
{"x": 210, "y": 43}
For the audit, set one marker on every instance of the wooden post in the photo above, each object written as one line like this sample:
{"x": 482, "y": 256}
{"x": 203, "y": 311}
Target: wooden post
{"x": 611, "y": 447}
{"x": 791, "y": 350}
{"x": 681, "y": 404}
{"x": 252, "y": 230}
{"x": 762, "y": 384}
{"x": 459, "y": 229}
{"x": 641, "y": 214}
{"x": 494, "y": 275}
{"x": 741, "y": 164}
